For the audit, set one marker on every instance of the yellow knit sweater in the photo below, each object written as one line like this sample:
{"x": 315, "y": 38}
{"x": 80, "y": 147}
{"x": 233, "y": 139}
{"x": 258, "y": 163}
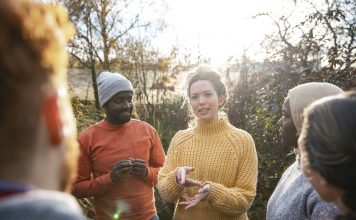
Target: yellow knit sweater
{"x": 223, "y": 156}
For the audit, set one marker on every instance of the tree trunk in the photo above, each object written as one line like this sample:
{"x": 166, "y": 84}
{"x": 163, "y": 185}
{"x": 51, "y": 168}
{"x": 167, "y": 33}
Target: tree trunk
{"x": 95, "y": 85}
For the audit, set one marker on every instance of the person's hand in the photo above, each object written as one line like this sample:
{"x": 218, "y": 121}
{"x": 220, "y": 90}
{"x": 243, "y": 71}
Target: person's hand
{"x": 120, "y": 169}
{"x": 184, "y": 180}
{"x": 200, "y": 196}
{"x": 139, "y": 167}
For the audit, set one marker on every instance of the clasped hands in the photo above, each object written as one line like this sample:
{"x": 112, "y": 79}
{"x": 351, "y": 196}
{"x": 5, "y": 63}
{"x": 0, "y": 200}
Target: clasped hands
{"x": 185, "y": 181}
{"x": 133, "y": 166}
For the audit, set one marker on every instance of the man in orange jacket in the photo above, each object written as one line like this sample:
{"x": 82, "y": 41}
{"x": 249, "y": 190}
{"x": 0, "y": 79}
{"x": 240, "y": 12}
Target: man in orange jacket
{"x": 120, "y": 156}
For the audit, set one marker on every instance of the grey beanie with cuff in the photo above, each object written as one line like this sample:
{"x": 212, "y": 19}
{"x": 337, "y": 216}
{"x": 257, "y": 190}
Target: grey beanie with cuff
{"x": 109, "y": 84}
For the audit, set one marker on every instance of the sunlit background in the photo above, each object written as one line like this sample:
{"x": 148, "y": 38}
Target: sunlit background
{"x": 219, "y": 29}
{"x": 262, "y": 48}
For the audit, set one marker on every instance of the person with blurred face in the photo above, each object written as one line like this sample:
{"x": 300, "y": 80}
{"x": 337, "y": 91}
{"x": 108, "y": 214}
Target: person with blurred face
{"x": 38, "y": 147}
{"x": 328, "y": 151}
{"x": 294, "y": 197}
{"x": 211, "y": 168}
{"x": 120, "y": 157}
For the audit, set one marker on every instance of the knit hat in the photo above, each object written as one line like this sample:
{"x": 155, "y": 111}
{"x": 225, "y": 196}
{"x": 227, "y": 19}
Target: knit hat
{"x": 303, "y": 95}
{"x": 109, "y": 84}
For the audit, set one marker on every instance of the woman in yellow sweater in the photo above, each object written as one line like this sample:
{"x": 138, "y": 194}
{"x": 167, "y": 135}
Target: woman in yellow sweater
{"x": 210, "y": 169}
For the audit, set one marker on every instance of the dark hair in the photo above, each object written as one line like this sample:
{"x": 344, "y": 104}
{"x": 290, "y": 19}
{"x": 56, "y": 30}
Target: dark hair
{"x": 329, "y": 138}
{"x": 204, "y": 73}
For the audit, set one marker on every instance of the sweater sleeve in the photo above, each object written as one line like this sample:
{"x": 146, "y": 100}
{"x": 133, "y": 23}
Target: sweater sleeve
{"x": 167, "y": 185}
{"x": 156, "y": 159}
{"x": 318, "y": 209}
{"x": 237, "y": 200}
{"x": 85, "y": 186}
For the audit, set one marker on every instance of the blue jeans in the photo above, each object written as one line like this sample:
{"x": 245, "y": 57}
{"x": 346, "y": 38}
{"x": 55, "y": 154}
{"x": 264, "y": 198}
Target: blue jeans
{"x": 155, "y": 217}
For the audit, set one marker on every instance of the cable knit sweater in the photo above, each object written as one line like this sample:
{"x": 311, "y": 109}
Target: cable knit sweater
{"x": 223, "y": 156}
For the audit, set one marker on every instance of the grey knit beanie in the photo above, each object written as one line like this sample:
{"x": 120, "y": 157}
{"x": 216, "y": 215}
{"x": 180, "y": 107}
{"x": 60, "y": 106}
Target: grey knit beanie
{"x": 303, "y": 95}
{"x": 109, "y": 84}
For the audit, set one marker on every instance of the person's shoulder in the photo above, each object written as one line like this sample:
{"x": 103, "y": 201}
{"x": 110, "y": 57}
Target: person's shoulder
{"x": 182, "y": 136}
{"x": 294, "y": 174}
{"x": 41, "y": 204}
{"x": 238, "y": 133}
{"x": 91, "y": 129}
{"x": 59, "y": 205}
{"x": 185, "y": 132}
{"x": 52, "y": 195}
{"x": 319, "y": 208}
{"x": 139, "y": 124}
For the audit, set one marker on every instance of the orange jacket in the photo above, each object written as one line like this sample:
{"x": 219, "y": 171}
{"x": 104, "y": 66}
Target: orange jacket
{"x": 104, "y": 144}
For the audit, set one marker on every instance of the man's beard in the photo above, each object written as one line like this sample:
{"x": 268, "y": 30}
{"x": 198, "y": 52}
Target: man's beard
{"x": 119, "y": 119}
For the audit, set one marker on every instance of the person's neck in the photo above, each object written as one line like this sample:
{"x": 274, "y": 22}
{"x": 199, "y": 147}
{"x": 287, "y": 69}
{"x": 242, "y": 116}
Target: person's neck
{"x": 207, "y": 122}
{"x": 113, "y": 122}
{"x": 211, "y": 129}
{"x": 32, "y": 174}
{"x": 16, "y": 176}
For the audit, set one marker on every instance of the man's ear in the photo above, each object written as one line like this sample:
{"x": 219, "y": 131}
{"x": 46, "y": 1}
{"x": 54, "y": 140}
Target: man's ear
{"x": 221, "y": 100}
{"x": 52, "y": 119}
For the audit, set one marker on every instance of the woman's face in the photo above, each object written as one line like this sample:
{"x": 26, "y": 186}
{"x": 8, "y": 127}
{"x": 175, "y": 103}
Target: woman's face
{"x": 326, "y": 191}
{"x": 287, "y": 128}
{"x": 205, "y": 101}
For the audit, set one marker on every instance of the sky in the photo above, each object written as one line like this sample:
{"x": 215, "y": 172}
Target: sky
{"x": 217, "y": 29}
